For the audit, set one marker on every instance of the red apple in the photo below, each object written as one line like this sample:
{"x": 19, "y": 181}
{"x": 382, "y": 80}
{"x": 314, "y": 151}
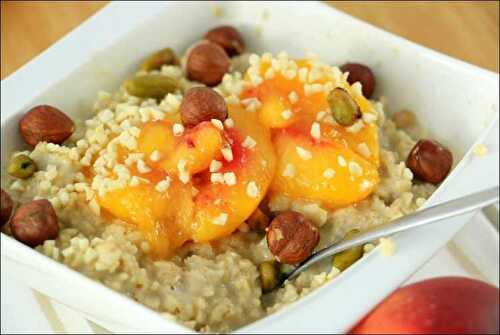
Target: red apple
{"x": 447, "y": 305}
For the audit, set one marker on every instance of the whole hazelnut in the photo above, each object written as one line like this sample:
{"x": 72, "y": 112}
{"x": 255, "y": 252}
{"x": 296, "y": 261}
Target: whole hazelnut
{"x": 228, "y": 37}
{"x": 35, "y": 222}
{"x": 207, "y": 63}
{"x": 430, "y": 161}
{"x": 6, "y": 205}
{"x": 45, "y": 124}
{"x": 361, "y": 73}
{"x": 202, "y": 104}
{"x": 291, "y": 237}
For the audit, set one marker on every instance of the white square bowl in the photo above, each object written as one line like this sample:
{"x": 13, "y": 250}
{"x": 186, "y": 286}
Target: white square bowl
{"x": 456, "y": 101}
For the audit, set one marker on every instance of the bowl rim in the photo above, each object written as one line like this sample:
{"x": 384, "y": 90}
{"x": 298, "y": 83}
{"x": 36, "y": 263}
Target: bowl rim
{"x": 46, "y": 58}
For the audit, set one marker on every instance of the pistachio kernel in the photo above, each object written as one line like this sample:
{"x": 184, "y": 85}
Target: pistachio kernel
{"x": 21, "y": 166}
{"x": 346, "y": 258}
{"x": 151, "y": 86}
{"x": 158, "y": 59}
{"x": 269, "y": 275}
{"x": 343, "y": 107}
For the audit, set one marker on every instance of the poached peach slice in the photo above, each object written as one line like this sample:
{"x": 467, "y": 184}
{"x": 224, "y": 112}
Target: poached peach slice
{"x": 221, "y": 208}
{"x": 197, "y": 148}
{"x": 325, "y": 171}
{"x": 199, "y": 209}
{"x": 163, "y": 218}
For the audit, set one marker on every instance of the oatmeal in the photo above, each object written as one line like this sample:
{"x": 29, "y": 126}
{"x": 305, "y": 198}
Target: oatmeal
{"x": 199, "y": 181}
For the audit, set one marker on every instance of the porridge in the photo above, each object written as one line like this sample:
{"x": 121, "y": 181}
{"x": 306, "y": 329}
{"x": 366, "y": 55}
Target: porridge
{"x": 201, "y": 180}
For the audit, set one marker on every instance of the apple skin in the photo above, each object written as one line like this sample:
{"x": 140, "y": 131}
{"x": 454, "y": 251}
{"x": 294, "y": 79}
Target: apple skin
{"x": 445, "y": 305}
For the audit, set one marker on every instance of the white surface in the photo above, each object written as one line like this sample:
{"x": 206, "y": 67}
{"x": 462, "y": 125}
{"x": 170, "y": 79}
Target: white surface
{"x": 20, "y": 311}
{"x": 442, "y": 91}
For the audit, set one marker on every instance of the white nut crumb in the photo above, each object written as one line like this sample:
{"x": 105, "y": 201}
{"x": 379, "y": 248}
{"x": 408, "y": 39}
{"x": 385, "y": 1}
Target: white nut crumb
{"x": 286, "y": 114}
{"x": 215, "y": 166}
{"x": 217, "y": 178}
{"x": 356, "y": 127}
{"x": 217, "y": 124}
{"x": 178, "y": 129}
{"x": 355, "y": 169}
{"x": 142, "y": 167}
{"x": 227, "y": 153}
{"x": 316, "y": 131}
{"x": 341, "y": 160}
{"x": 364, "y": 150}
{"x": 303, "y": 153}
{"x": 388, "y": 247}
{"x": 249, "y": 143}
{"x": 269, "y": 74}
{"x": 252, "y": 190}
{"x": 293, "y": 97}
{"x": 320, "y": 116}
{"x": 365, "y": 185}
{"x": 220, "y": 220}
{"x": 183, "y": 174}
{"x": 230, "y": 178}
{"x": 163, "y": 185}
{"x": 329, "y": 173}
{"x": 155, "y": 156}
{"x": 369, "y": 117}
{"x": 229, "y": 123}
{"x": 289, "y": 171}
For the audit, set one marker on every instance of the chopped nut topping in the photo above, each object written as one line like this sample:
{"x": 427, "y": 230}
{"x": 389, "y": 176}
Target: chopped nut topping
{"x": 230, "y": 178}
{"x": 252, "y": 190}
{"x": 227, "y": 153}
{"x": 341, "y": 161}
{"x": 329, "y": 173}
{"x": 286, "y": 114}
{"x": 178, "y": 129}
{"x": 249, "y": 143}
{"x": 303, "y": 153}
{"x": 315, "y": 131}
{"x": 220, "y": 220}
{"x": 215, "y": 166}
{"x": 217, "y": 124}
{"x": 289, "y": 171}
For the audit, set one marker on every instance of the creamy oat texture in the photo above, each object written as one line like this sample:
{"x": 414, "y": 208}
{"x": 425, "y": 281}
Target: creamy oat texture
{"x": 207, "y": 287}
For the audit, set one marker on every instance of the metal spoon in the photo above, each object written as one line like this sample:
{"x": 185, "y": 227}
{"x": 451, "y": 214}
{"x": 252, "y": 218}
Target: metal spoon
{"x": 429, "y": 215}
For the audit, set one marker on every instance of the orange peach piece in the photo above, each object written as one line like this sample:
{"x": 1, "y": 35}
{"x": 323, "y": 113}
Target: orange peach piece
{"x": 222, "y": 208}
{"x": 274, "y": 113}
{"x": 324, "y": 171}
{"x": 365, "y": 142}
{"x": 164, "y": 218}
{"x": 197, "y": 147}
{"x": 156, "y": 136}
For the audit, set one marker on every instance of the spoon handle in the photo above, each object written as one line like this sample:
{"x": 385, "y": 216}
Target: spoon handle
{"x": 432, "y": 214}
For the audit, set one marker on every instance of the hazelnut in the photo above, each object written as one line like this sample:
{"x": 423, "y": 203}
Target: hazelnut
{"x": 361, "y": 73}
{"x": 45, "y": 124}
{"x": 6, "y": 205}
{"x": 430, "y": 161}
{"x": 35, "y": 222}
{"x": 291, "y": 237}
{"x": 202, "y": 104}
{"x": 207, "y": 63}
{"x": 228, "y": 37}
